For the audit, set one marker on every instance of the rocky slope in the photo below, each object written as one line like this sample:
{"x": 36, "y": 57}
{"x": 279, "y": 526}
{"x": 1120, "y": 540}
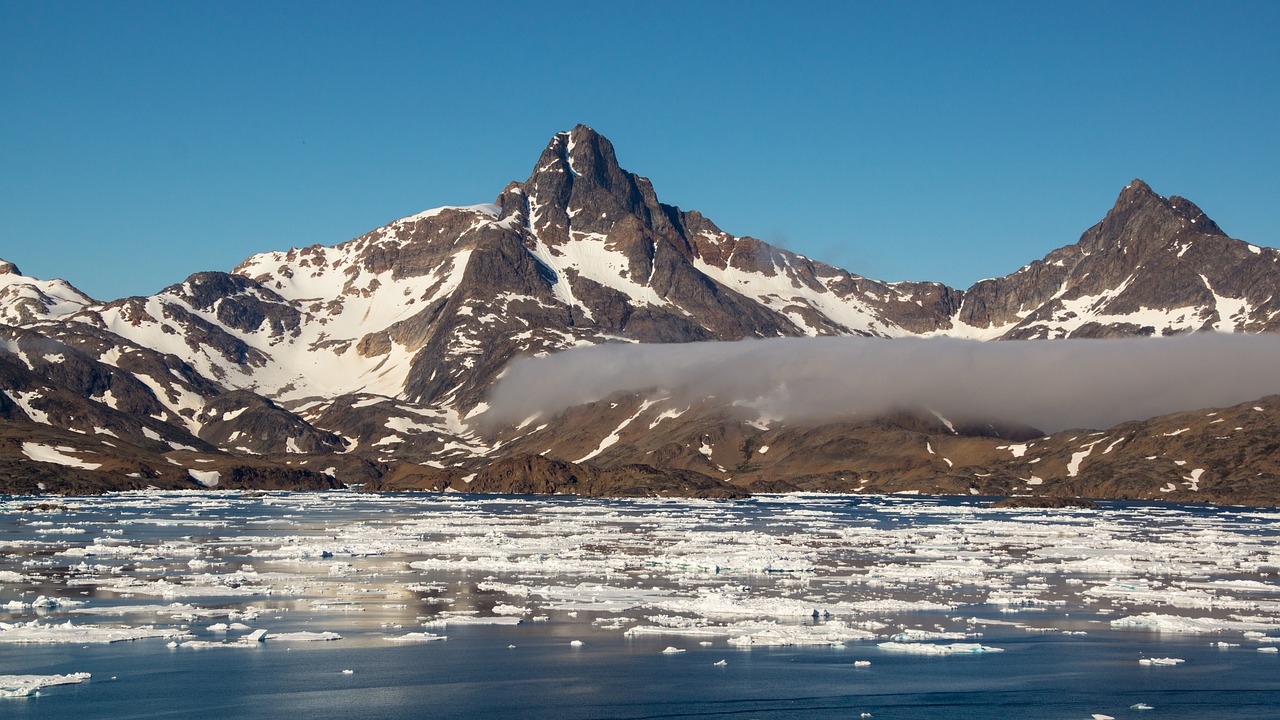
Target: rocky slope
{"x": 367, "y": 358}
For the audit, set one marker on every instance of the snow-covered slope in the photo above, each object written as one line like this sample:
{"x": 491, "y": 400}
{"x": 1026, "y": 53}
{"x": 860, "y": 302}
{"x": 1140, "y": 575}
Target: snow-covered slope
{"x": 25, "y": 300}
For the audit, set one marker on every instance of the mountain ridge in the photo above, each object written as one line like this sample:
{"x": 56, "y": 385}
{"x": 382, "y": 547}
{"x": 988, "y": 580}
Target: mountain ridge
{"x": 381, "y": 347}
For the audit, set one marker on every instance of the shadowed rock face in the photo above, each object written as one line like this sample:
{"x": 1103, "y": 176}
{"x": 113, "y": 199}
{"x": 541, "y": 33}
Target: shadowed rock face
{"x": 362, "y": 360}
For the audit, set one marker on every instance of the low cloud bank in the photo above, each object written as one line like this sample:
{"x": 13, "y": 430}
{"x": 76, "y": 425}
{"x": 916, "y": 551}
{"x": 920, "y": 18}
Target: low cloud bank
{"x": 1051, "y": 385}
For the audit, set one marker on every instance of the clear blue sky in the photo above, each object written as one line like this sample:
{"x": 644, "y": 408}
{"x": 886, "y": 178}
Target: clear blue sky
{"x": 950, "y": 141}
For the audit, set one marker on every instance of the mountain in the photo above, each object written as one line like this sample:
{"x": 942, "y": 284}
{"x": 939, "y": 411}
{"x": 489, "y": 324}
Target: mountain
{"x": 1153, "y": 266}
{"x": 25, "y": 300}
{"x": 364, "y": 361}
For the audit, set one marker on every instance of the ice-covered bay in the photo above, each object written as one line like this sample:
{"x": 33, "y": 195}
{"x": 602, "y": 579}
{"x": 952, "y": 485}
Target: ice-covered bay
{"x": 909, "y": 580}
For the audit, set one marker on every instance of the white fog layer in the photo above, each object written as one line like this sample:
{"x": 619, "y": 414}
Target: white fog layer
{"x": 1051, "y": 385}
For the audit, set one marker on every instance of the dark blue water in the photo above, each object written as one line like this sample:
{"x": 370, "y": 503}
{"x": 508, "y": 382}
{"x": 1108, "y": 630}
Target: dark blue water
{"x": 475, "y": 674}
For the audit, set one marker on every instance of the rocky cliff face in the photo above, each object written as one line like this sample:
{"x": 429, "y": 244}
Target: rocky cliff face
{"x": 369, "y": 356}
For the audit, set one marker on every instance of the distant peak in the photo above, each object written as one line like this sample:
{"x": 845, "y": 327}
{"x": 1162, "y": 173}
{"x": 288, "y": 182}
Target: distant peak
{"x": 8, "y": 268}
{"x": 1137, "y": 190}
{"x": 580, "y": 132}
{"x": 580, "y": 153}
{"x": 1139, "y": 193}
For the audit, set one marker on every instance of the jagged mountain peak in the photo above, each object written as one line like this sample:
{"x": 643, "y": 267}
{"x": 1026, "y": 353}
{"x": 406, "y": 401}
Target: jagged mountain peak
{"x": 1143, "y": 220}
{"x": 1138, "y": 195}
{"x": 1152, "y": 265}
{"x": 8, "y": 268}
{"x": 577, "y": 184}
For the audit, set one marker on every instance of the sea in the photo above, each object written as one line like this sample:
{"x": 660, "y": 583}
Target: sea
{"x": 354, "y": 605}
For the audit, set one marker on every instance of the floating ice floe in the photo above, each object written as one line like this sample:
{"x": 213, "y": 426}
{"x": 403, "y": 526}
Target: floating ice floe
{"x": 50, "y": 633}
{"x": 252, "y": 640}
{"x": 417, "y": 637}
{"x": 1187, "y": 625}
{"x": 756, "y": 633}
{"x": 935, "y": 649}
{"x": 304, "y": 636}
{"x": 448, "y": 620}
{"x": 504, "y": 609}
{"x": 42, "y": 602}
{"x": 25, "y": 685}
{"x": 1161, "y": 662}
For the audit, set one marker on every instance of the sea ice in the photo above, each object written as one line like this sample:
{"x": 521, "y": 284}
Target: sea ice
{"x": 25, "y": 685}
{"x": 1166, "y": 661}
{"x": 36, "y": 632}
{"x": 304, "y": 636}
{"x": 934, "y": 649}
{"x": 417, "y": 637}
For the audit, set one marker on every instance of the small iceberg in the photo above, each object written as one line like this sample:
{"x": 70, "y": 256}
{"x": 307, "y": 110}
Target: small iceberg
{"x": 1162, "y": 662}
{"x": 934, "y": 649}
{"x": 671, "y": 650}
{"x": 418, "y": 637}
{"x": 26, "y": 685}
{"x": 304, "y": 636}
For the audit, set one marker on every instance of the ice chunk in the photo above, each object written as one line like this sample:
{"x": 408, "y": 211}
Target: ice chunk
{"x": 935, "y": 649}
{"x": 672, "y": 650}
{"x": 447, "y": 620}
{"x": 24, "y": 685}
{"x": 302, "y": 636}
{"x": 419, "y": 637}
{"x": 36, "y": 632}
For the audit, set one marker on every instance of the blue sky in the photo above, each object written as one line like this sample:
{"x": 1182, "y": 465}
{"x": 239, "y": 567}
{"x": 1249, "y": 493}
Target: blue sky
{"x": 144, "y": 141}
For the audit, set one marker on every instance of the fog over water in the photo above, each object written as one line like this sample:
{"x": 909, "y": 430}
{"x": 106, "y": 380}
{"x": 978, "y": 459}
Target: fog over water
{"x": 1051, "y": 385}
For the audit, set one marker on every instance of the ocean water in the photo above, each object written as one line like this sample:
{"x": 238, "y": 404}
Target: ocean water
{"x": 563, "y": 607}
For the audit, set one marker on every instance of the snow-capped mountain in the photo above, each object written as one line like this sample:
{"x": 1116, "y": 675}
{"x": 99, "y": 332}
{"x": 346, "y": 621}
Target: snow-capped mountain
{"x": 377, "y": 350}
{"x": 24, "y": 300}
{"x": 1153, "y": 266}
